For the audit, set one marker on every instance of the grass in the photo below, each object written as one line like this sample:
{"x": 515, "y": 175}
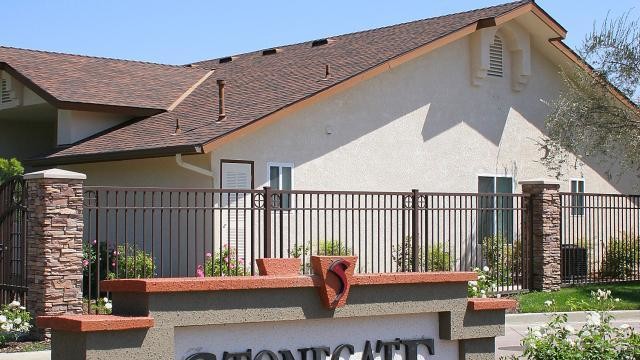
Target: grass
{"x": 533, "y": 302}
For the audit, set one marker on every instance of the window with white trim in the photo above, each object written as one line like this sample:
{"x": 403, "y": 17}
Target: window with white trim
{"x": 496, "y": 54}
{"x": 281, "y": 178}
{"x": 577, "y": 197}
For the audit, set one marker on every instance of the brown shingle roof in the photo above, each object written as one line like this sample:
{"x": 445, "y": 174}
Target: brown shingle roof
{"x": 65, "y": 78}
{"x": 260, "y": 85}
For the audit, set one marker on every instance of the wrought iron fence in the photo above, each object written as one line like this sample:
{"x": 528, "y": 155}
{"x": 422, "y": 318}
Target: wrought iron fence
{"x": 599, "y": 238}
{"x": 13, "y": 249}
{"x": 151, "y": 232}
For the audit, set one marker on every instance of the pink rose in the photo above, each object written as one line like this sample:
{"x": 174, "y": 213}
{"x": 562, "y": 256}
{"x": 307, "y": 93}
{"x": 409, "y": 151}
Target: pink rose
{"x": 95, "y": 242}
{"x": 200, "y": 271}
{"x": 208, "y": 254}
{"x": 85, "y": 262}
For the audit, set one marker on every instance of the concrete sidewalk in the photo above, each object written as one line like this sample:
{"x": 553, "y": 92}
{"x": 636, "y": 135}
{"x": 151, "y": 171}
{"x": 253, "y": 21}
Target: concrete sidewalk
{"x": 517, "y": 325}
{"x": 34, "y": 355}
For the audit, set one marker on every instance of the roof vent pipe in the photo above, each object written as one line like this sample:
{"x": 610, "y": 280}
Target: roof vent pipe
{"x": 178, "y": 129}
{"x": 327, "y": 71}
{"x": 221, "y": 109}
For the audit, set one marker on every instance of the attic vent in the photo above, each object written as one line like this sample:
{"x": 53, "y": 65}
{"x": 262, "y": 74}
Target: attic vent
{"x": 495, "y": 57}
{"x": 226, "y": 59}
{"x": 271, "y": 51}
{"x": 319, "y": 42}
{"x": 7, "y": 94}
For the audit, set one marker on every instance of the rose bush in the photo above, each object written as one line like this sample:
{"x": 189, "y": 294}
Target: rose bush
{"x": 224, "y": 263}
{"x": 15, "y": 321}
{"x": 485, "y": 286}
{"x": 597, "y": 339}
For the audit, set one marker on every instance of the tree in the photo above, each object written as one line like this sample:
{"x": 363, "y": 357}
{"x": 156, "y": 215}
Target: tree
{"x": 596, "y": 115}
{"x": 9, "y": 168}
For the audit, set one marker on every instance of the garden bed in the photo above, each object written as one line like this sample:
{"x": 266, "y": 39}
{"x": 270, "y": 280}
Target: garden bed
{"x": 25, "y": 346}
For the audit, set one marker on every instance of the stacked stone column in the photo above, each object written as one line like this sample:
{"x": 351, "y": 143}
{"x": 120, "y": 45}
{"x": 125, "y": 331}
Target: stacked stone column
{"x": 544, "y": 232}
{"x": 54, "y": 242}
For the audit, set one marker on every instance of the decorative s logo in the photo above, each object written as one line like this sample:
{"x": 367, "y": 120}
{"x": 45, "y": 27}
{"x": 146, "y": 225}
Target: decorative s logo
{"x": 338, "y": 268}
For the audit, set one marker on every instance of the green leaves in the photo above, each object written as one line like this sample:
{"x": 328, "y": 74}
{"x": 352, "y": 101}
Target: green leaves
{"x": 10, "y": 168}
{"x": 588, "y": 121}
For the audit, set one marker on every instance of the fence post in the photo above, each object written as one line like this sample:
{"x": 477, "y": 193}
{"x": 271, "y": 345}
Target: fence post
{"x": 544, "y": 205}
{"x": 267, "y": 221}
{"x": 414, "y": 231}
{"x": 54, "y": 242}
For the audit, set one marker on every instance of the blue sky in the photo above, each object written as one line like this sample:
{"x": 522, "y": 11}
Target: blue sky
{"x": 178, "y": 32}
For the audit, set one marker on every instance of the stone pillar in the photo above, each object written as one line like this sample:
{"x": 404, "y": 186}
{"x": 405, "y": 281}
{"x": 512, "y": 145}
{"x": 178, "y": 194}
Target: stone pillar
{"x": 544, "y": 232}
{"x": 54, "y": 242}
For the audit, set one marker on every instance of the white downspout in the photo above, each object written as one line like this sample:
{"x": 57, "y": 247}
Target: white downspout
{"x": 192, "y": 167}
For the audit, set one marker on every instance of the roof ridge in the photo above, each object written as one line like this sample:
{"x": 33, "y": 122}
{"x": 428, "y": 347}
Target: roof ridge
{"x": 366, "y": 30}
{"x": 93, "y": 57}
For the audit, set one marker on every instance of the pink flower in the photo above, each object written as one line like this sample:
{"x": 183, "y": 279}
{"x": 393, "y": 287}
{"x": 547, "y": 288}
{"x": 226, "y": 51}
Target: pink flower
{"x": 226, "y": 259}
{"x": 113, "y": 264}
{"x": 208, "y": 254}
{"x": 232, "y": 266}
{"x": 200, "y": 271}
{"x": 241, "y": 261}
{"x": 95, "y": 242}
{"x": 85, "y": 262}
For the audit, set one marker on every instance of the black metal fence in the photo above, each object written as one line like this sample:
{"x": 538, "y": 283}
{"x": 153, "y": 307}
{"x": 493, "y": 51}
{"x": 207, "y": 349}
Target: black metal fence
{"x": 600, "y": 238}
{"x": 151, "y": 232}
{"x": 13, "y": 249}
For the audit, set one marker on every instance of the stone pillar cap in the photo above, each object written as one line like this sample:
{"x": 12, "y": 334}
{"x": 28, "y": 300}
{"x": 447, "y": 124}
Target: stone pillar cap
{"x": 539, "y": 181}
{"x": 55, "y": 174}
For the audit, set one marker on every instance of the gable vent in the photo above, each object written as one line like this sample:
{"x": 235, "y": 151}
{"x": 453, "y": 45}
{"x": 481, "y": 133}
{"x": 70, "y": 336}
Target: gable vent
{"x": 227, "y": 59}
{"x": 6, "y": 94}
{"x": 271, "y": 51}
{"x": 320, "y": 42}
{"x": 495, "y": 57}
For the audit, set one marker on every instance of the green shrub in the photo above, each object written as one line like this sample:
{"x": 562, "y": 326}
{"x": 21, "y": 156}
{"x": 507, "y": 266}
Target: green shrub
{"x": 504, "y": 258}
{"x": 322, "y": 248}
{"x": 437, "y": 258}
{"x": 10, "y": 168}
{"x": 597, "y": 339}
{"x": 130, "y": 262}
{"x": 621, "y": 258}
{"x": 224, "y": 263}
{"x": 124, "y": 262}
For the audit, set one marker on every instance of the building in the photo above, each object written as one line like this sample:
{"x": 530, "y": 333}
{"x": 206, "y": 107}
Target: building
{"x": 452, "y": 103}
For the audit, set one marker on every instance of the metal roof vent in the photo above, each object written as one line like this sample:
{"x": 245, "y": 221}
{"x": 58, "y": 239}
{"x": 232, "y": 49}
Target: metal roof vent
{"x": 321, "y": 42}
{"x": 227, "y": 59}
{"x": 271, "y": 51}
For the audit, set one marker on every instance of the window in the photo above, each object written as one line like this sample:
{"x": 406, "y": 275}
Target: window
{"x": 577, "y": 199}
{"x": 495, "y": 57}
{"x": 281, "y": 178}
{"x": 495, "y": 207}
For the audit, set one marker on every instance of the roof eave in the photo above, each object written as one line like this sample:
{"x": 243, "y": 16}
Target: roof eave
{"x": 115, "y": 156}
{"x": 71, "y": 105}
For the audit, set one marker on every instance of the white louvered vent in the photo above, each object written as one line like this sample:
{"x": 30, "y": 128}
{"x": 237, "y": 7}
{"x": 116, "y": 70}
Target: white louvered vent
{"x": 5, "y": 93}
{"x": 496, "y": 57}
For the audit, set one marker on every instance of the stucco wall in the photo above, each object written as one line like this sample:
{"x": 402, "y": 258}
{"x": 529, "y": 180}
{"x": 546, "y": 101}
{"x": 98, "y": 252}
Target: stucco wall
{"x": 162, "y": 172}
{"x": 76, "y": 125}
{"x": 25, "y": 139}
{"x": 421, "y": 125}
